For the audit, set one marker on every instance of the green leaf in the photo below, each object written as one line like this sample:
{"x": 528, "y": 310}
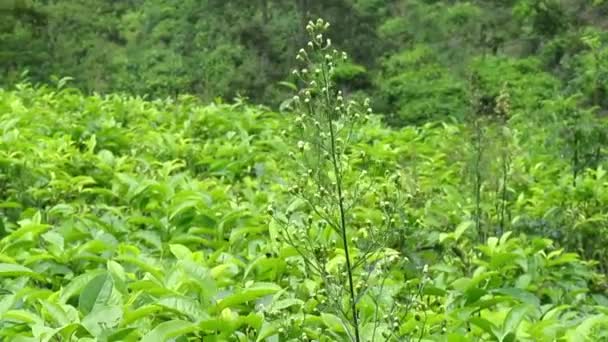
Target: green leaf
{"x": 21, "y": 316}
{"x": 77, "y": 284}
{"x": 55, "y": 312}
{"x": 286, "y": 303}
{"x": 184, "y": 306}
{"x": 12, "y": 270}
{"x": 248, "y": 294}
{"x": 118, "y": 274}
{"x": 65, "y": 332}
{"x": 96, "y": 292}
{"x": 512, "y": 321}
{"x": 584, "y": 330}
{"x": 333, "y": 323}
{"x": 168, "y": 330}
{"x": 462, "y": 227}
{"x": 486, "y": 326}
{"x": 120, "y": 334}
{"x": 519, "y": 294}
{"x": 102, "y": 318}
{"x": 268, "y": 329}
{"x": 180, "y": 252}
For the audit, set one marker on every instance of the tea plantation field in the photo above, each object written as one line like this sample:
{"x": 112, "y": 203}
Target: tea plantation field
{"x": 123, "y": 219}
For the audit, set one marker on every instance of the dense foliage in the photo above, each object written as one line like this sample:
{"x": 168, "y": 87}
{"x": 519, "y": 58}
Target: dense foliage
{"x": 413, "y": 56}
{"x": 473, "y": 208}
{"x": 125, "y": 219}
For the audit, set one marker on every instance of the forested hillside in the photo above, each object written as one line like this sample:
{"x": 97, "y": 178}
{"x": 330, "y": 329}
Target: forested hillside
{"x": 407, "y": 170}
{"x": 224, "y": 49}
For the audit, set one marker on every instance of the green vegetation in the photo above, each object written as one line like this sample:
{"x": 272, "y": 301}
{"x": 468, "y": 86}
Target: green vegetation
{"x": 413, "y": 57}
{"x": 466, "y": 201}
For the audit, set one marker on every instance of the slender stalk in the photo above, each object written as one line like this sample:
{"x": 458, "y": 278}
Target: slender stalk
{"x": 478, "y": 158}
{"x": 336, "y": 167}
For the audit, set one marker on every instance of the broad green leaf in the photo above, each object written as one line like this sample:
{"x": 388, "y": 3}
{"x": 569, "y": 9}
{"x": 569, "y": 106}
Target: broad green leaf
{"x": 56, "y": 312}
{"x": 283, "y": 304}
{"x": 248, "y": 294}
{"x": 143, "y": 311}
{"x": 184, "y": 306}
{"x": 486, "y": 326}
{"x": 21, "y": 316}
{"x": 75, "y": 286}
{"x": 180, "y": 252}
{"x": 461, "y": 228}
{"x": 12, "y": 270}
{"x": 512, "y": 321}
{"x": 65, "y": 332}
{"x": 268, "y": 329}
{"x": 29, "y": 230}
{"x": 168, "y": 330}
{"x": 333, "y": 323}
{"x": 583, "y": 331}
{"x": 97, "y": 292}
{"x": 118, "y": 274}
{"x": 102, "y": 318}
{"x": 120, "y": 335}
{"x": 152, "y": 269}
